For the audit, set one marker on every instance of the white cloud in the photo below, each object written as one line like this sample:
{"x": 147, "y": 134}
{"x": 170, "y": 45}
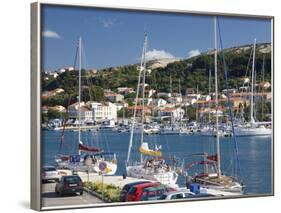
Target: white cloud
{"x": 193, "y": 53}
{"x": 107, "y": 23}
{"x": 51, "y": 34}
{"x": 158, "y": 54}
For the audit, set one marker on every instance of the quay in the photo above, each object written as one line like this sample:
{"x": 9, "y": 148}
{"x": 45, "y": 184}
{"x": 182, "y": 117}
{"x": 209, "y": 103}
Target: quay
{"x": 107, "y": 179}
{"x": 120, "y": 182}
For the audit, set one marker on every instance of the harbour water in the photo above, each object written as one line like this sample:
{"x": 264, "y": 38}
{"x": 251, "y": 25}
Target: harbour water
{"x": 255, "y": 153}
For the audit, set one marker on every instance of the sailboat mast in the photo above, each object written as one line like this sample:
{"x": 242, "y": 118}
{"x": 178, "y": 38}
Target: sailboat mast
{"x": 135, "y": 107}
{"x": 263, "y": 59}
{"x": 79, "y": 93}
{"x": 252, "y": 84}
{"x": 143, "y": 89}
{"x": 217, "y": 102}
{"x": 197, "y": 91}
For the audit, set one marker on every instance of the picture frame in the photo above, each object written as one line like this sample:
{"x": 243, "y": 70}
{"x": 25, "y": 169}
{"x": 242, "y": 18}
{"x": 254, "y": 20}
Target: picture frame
{"x": 38, "y": 60}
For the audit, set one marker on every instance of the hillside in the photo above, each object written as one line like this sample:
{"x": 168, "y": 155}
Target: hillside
{"x": 192, "y": 72}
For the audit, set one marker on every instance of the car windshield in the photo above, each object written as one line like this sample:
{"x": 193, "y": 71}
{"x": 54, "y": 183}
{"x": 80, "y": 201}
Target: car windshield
{"x": 177, "y": 196}
{"x": 72, "y": 179}
{"x": 126, "y": 188}
{"x": 132, "y": 191}
{"x": 49, "y": 169}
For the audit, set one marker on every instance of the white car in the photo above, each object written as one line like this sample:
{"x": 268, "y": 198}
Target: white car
{"x": 50, "y": 173}
{"x": 183, "y": 194}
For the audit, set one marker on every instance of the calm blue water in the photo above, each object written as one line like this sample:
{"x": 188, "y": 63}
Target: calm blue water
{"x": 254, "y": 152}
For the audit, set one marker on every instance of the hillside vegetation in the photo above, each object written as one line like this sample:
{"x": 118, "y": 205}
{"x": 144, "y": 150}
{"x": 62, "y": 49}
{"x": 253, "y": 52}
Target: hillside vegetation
{"x": 193, "y": 72}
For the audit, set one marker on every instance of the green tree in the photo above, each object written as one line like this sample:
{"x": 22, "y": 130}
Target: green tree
{"x": 55, "y": 114}
{"x": 191, "y": 113}
{"x": 96, "y": 92}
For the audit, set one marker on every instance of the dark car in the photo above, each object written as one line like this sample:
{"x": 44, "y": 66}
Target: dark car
{"x": 127, "y": 187}
{"x": 69, "y": 185}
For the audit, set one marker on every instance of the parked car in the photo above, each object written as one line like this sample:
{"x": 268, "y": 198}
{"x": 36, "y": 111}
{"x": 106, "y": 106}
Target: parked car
{"x": 50, "y": 173}
{"x": 71, "y": 184}
{"x": 183, "y": 194}
{"x": 154, "y": 193}
{"x": 127, "y": 187}
{"x": 135, "y": 192}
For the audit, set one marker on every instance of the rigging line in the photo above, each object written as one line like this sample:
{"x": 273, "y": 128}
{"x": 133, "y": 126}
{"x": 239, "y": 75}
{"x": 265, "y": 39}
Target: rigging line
{"x": 84, "y": 62}
{"x": 64, "y": 125}
{"x": 106, "y": 143}
{"x": 228, "y": 98}
{"x": 76, "y": 55}
{"x": 69, "y": 100}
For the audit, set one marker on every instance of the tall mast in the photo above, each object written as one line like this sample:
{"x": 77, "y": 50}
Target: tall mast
{"x": 79, "y": 92}
{"x": 180, "y": 87}
{"x": 136, "y": 103}
{"x": 263, "y": 59}
{"x": 143, "y": 88}
{"x": 252, "y": 84}
{"x": 197, "y": 91}
{"x": 217, "y": 102}
{"x": 171, "y": 85}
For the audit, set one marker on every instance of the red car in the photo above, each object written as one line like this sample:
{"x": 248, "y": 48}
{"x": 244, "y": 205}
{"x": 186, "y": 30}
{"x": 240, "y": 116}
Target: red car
{"x": 135, "y": 192}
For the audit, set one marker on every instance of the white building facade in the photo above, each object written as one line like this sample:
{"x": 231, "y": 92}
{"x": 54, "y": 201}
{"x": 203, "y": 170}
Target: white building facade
{"x": 103, "y": 111}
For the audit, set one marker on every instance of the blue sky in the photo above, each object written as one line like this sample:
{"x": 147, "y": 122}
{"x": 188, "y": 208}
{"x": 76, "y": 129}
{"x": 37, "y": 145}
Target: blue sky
{"x": 112, "y": 37}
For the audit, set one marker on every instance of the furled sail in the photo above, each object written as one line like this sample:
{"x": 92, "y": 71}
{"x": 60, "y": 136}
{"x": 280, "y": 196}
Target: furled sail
{"x": 144, "y": 149}
{"x": 213, "y": 157}
{"x": 88, "y": 149}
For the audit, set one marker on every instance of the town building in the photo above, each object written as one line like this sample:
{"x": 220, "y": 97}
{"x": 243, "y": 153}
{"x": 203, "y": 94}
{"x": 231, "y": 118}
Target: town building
{"x": 103, "y": 111}
{"x": 175, "y": 113}
{"x": 164, "y": 94}
{"x": 86, "y": 114}
{"x": 139, "y": 108}
{"x": 113, "y": 97}
{"x": 58, "y": 108}
{"x": 48, "y": 94}
{"x": 125, "y": 90}
{"x": 159, "y": 102}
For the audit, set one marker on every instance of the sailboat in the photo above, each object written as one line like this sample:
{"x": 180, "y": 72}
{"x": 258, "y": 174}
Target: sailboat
{"x": 212, "y": 176}
{"x": 253, "y": 128}
{"x": 152, "y": 165}
{"x": 88, "y": 158}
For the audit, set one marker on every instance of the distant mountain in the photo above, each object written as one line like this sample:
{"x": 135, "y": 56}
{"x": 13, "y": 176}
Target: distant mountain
{"x": 153, "y": 64}
{"x": 261, "y": 48}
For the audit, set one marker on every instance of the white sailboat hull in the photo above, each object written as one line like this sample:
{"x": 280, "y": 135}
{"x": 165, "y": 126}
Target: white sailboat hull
{"x": 252, "y": 131}
{"x": 162, "y": 176}
{"x": 170, "y": 131}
